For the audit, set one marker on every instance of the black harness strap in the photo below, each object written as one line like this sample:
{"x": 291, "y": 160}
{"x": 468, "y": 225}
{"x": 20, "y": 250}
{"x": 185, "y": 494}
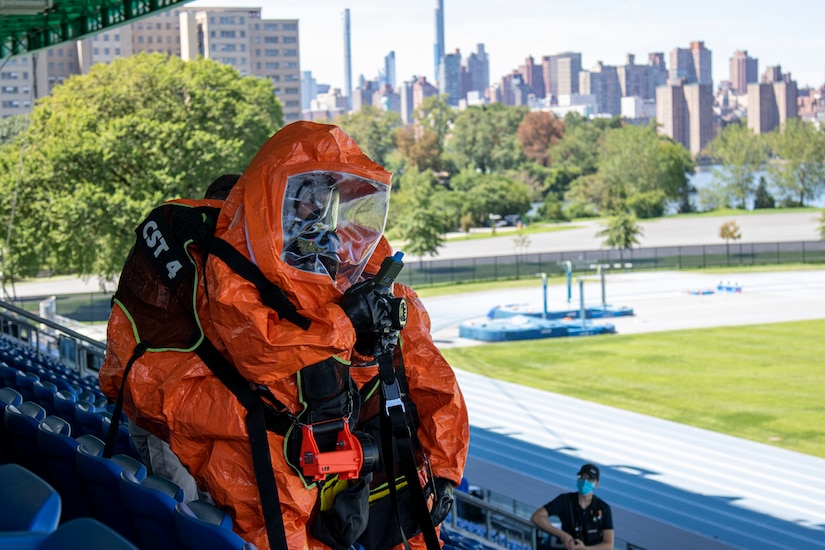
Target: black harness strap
{"x": 111, "y": 435}
{"x": 256, "y": 425}
{"x": 271, "y": 295}
{"x": 396, "y": 432}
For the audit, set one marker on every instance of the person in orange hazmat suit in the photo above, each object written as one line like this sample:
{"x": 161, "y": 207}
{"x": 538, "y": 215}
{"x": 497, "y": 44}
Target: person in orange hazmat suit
{"x": 309, "y": 212}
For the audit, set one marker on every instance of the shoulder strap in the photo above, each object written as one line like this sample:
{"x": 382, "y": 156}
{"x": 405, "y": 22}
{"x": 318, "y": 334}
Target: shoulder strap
{"x": 271, "y": 295}
{"x": 398, "y": 435}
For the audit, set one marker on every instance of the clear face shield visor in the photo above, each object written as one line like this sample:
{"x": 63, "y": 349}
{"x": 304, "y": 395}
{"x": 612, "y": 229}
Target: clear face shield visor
{"x": 332, "y": 222}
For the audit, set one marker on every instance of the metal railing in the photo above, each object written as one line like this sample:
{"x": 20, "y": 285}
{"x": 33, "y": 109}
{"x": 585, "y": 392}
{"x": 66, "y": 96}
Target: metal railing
{"x": 516, "y": 266}
{"x": 50, "y": 338}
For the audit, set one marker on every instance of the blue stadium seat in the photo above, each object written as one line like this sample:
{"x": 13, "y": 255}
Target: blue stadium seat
{"x": 151, "y": 504}
{"x": 89, "y": 421}
{"x": 200, "y": 524}
{"x": 28, "y": 506}
{"x": 123, "y": 440}
{"x": 101, "y": 481}
{"x": 65, "y": 403}
{"x": 21, "y": 422}
{"x": 44, "y": 395}
{"x": 85, "y": 534}
{"x": 60, "y": 450}
{"x": 67, "y": 386}
{"x": 24, "y": 382}
{"x": 7, "y": 375}
{"x": 8, "y": 396}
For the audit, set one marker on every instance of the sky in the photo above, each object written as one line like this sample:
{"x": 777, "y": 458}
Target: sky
{"x": 790, "y": 34}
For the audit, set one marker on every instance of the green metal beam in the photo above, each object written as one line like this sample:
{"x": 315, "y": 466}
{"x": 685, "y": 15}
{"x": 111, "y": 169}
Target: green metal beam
{"x": 68, "y": 20}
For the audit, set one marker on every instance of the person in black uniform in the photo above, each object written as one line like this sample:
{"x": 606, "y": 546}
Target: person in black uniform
{"x": 586, "y": 521}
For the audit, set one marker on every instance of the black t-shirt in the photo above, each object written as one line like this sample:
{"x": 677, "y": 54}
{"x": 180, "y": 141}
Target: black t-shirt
{"x": 585, "y": 524}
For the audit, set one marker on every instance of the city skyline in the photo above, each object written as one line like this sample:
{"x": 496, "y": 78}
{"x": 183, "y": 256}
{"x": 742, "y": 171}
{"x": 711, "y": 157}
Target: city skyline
{"x": 599, "y": 29}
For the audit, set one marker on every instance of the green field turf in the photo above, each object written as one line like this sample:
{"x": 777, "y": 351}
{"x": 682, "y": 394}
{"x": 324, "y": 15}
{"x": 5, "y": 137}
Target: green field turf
{"x": 759, "y": 382}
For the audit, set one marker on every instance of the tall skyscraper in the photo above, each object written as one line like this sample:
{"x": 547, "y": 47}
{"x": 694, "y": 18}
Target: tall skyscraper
{"x": 309, "y": 89}
{"x": 744, "y": 70}
{"x": 347, "y": 60}
{"x": 439, "y": 49}
{"x": 478, "y": 69}
{"x": 449, "y": 81}
{"x": 771, "y": 102}
{"x": 389, "y": 69}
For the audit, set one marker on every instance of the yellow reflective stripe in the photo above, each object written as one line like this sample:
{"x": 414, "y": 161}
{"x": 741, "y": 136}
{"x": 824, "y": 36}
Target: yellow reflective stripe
{"x": 384, "y": 489}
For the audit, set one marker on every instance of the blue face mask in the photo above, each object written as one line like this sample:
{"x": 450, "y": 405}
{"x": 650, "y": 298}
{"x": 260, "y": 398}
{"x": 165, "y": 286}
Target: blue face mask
{"x": 585, "y": 486}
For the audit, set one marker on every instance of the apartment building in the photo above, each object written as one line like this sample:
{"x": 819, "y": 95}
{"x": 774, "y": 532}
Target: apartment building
{"x": 234, "y": 36}
{"x": 602, "y": 82}
{"x": 561, "y": 73}
{"x": 685, "y": 113}
{"x": 771, "y": 102}
{"x": 744, "y": 70}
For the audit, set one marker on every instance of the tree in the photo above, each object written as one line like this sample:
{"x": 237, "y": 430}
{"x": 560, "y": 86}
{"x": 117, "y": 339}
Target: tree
{"x": 485, "y": 138}
{"x": 12, "y": 127}
{"x": 106, "y": 147}
{"x": 420, "y": 220}
{"x": 622, "y": 231}
{"x": 373, "y": 130}
{"x": 762, "y": 198}
{"x": 485, "y": 194}
{"x": 799, "y": 171}
{"x": 729, "y": 231}
{"x": 537, "y": 132}
{"x": 638, "y": 170}
{"x": 741, "y": 154}
{"x": 424, "y": 152}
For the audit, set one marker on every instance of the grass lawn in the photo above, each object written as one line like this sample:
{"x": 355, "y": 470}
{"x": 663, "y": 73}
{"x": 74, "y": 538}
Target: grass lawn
{"x": 759, "y": 382}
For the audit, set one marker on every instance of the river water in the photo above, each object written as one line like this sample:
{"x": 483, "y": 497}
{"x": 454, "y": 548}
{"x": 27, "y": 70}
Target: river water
{"x": 704, "y": 177}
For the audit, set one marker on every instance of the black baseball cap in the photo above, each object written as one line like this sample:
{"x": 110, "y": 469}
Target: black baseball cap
{"x": 590, "y": 470}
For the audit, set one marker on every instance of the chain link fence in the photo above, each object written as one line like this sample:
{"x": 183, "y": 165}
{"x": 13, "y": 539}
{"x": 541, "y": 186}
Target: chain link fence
{"x": 516, "y": 266}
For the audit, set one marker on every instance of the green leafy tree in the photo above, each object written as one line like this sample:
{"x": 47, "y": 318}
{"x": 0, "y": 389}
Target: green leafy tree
{"x": 420, "y": 219}
{"x": 762, "y": 198}
{"x": 12, "y": 127}
{"x": 436, "y": 116}
{"x": 799, "y": 170}
{"x": 485, "y": 194}
{"x": 106, "y": 147}
{"x": 485, "y": 138}
{"x": 374, "y": 131}
{"x": 622, "y": 231}
{"x": 741, "y": 154}
{"x": 637, "y": 170}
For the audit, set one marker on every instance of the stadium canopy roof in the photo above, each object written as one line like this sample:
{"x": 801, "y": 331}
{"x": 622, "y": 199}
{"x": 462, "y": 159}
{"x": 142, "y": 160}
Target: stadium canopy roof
{"x": 29, "y": 25}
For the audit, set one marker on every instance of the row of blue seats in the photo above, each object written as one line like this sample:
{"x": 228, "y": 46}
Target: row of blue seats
{"x": 84, "y": 415}
{"x": 24, "y": 358}
{"x": 116, "y": 491}
{"x": 30, "y": 510}
{"x": 29, "y": 514}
